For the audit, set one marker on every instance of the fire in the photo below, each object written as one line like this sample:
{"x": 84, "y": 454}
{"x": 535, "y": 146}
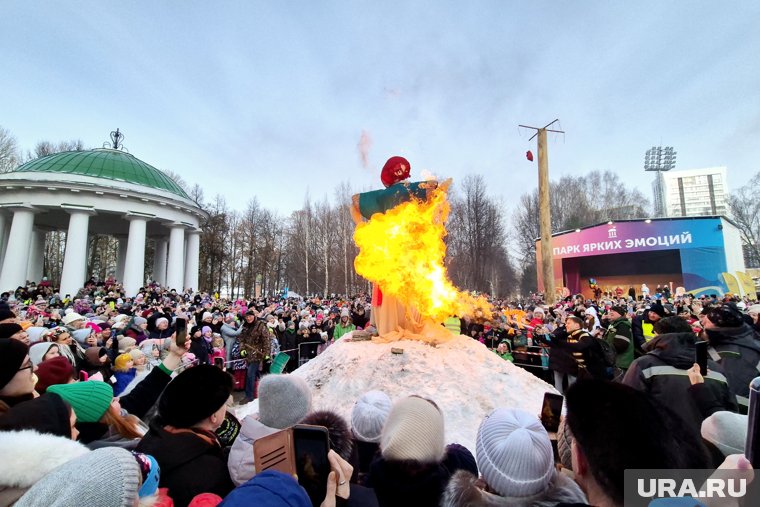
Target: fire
{"x": 402, "y": 250}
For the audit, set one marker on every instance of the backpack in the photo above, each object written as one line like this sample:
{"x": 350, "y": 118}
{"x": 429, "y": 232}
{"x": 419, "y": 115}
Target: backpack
{"x": 607, "y": 352}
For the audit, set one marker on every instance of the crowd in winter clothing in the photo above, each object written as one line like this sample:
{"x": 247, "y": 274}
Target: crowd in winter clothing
{"x": 100, "y": 404}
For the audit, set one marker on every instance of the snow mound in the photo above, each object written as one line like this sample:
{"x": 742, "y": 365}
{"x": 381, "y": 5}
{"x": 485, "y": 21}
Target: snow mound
{"x": 464, "y": 378}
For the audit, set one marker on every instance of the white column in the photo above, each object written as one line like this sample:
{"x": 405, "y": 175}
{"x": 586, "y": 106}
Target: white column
{"x": 3, "y": 233}
{"x": 159, "y": 261}
{"x": 13, "y": 273}
{"x": 134, "y": 263}
{"x": 36, "y": 256}
{"x": 75, "y": 259}
{"x": 192, "y": 258}
{"x": 175, "y": 268}
{"x": 121, "y": 258}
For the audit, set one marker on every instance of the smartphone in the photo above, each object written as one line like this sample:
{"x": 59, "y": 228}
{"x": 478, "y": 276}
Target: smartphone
{"x": 702, "y": 356}
{"x": 551, "y": 410}
{"x": 181, "y": 332}
{"x": 219, "y": 362}
{"x": 275, "y": 452}
{"x": 83, "y": 376}
{"x": 310, "y": 448}
{"x": 752, "y": 447}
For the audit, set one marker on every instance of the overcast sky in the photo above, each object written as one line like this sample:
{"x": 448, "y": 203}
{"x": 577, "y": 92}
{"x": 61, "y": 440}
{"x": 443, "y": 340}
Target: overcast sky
{"x": 270, "y": 99}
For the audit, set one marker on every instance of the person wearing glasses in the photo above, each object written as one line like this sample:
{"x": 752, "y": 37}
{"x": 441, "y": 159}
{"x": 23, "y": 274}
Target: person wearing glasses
{"x": 17, "y": 378}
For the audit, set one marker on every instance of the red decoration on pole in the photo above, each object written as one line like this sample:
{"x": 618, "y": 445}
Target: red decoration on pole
{"x": 529, "y": 155}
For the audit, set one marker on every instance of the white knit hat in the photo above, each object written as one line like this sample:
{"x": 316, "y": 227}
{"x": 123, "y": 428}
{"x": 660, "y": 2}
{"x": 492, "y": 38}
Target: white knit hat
{"x": 369, "y": 415}
{"x": 71, "y": 317}
{"x": 727, "y": 431}
{"x": 514, "y": 453}
{"x": 413, "y": 431}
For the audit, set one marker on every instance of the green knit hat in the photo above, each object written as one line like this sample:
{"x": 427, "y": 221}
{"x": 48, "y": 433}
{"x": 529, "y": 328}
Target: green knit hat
{"x": 90, "y": 400}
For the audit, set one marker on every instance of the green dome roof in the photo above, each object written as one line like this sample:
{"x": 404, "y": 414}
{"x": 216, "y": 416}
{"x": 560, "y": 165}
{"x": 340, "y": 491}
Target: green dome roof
{"x": 104, "y": 163}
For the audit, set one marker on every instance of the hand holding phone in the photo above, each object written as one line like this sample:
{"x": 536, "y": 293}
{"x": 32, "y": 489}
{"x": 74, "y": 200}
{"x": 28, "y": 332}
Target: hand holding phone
{"x": 752, "y": 446}
{"x": 302, "y": 451}
{"x": 551, "y": 410}
{"x": 181, "y": 336}
{"x": 702, "y": 356}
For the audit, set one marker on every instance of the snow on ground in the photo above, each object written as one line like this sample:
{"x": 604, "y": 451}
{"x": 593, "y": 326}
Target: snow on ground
{"x": 462, "y": 376}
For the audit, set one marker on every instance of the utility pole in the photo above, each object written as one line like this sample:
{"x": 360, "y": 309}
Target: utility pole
{"x": 544, "y": 210}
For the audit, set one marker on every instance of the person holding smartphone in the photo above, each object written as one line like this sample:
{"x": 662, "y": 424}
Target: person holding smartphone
{"x": 182, "y": 437}
{"x": 663, "y": 372}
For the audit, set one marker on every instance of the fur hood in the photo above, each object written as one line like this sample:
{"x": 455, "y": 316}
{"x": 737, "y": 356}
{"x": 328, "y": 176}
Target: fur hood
{"x": 340, "y": 435}
{"x": 464, "y": 489}
{"x": 28, "y": 456}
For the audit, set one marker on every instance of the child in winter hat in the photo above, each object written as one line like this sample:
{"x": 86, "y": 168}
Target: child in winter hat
{"x": 124, "y": 371}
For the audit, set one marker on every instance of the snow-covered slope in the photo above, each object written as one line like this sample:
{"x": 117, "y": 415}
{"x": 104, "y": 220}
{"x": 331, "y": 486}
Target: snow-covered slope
{"x": 464, "y": 378}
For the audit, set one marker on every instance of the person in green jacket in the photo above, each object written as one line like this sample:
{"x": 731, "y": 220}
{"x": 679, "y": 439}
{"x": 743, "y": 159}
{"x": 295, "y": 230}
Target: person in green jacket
{"x": 619, "y": 336}
{"x": 344, "y": 326}
{"x": 502, "y": 350}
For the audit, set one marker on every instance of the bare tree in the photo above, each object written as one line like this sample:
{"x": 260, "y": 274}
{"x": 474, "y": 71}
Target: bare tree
{"x": 744, "y": 206}
{"x": 477, "y": 256}
{"x": 576, "y": 201}
{"x": 45, "y": 148}
{"x": 9, "y": 154}
{"x": 177, "y": 179}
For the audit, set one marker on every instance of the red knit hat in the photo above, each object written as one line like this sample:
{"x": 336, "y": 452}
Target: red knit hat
{"x": 395, "y": 165}
{"x": 53, "y": 371}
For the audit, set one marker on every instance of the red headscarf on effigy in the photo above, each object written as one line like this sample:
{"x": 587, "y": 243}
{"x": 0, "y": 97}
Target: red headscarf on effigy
{"x": 395, "y": 169}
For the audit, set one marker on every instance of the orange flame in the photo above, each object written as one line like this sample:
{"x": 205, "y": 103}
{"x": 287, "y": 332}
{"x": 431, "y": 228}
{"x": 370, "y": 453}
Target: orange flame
{"x": 402, "y": 250}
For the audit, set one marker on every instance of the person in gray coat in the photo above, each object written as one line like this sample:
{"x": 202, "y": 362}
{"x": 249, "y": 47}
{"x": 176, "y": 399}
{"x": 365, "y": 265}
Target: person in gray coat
{"x": 230, "y": 333}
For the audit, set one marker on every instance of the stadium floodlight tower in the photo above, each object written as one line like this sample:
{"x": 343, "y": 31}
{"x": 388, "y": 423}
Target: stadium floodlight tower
{"x": 659, "y": 159}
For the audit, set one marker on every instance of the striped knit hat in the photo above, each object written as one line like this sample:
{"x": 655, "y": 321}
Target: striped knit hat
{"x": 413, "y": 431}
{"x": 514, "y": 453}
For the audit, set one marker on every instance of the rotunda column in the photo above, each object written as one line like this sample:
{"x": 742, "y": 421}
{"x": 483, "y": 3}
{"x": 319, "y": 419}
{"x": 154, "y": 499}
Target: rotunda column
{"x": 4, "y": 230}
{"x": 36, "y": 256}
{"x": 159, "y": 260}
{"x": 13, "y": 272}
{"x": 75, "y": 259}
{"x": 120, "y": 258}
{"x": 134, "y": 262}
{"x": 175, "y": 268}
{"x": 192, "y": 259}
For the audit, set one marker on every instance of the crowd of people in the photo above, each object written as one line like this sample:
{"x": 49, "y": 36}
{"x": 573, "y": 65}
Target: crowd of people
{"x": 101, "y": 404}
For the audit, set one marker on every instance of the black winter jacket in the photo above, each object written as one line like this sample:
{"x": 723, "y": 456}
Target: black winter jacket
{"x": 738, "y": 352}
{"x": 191, "y": 463}
{"x": 662, "y": 374}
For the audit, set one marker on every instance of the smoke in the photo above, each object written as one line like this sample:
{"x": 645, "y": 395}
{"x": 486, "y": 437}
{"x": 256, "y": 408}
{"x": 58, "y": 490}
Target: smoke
{"x": 428, "y": 175}
{"x": 365, "y": 144}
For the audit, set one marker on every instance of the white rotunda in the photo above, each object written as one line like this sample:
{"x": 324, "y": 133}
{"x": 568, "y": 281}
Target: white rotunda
{"x": 101, "y": 191}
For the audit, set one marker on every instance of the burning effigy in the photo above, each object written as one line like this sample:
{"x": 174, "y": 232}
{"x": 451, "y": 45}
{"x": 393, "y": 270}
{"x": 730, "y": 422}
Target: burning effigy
{"x": 400, "y": 233}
